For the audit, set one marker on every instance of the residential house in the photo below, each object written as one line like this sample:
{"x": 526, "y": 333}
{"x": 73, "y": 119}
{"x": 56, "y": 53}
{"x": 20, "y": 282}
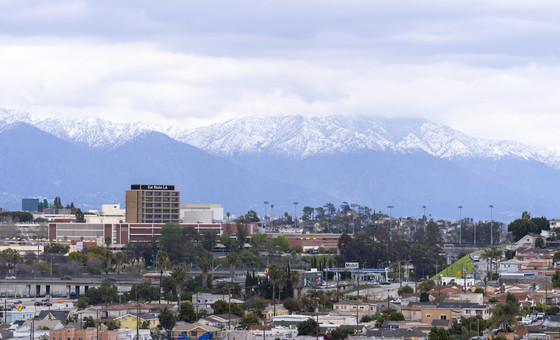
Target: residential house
{"x": 61, "y": 315}
{"x": 129, "y": 320}
{"x": 393, "y": 334}
{"x": 207, "y": 300}
{"x": 351, "y": 306}
{"x": 237, "y": 335}
{"x": 40, "y": 328}
{"x": 195, "y": 330}
{"x": 528, "y": 240}
{"x": 269, "y": 312}
{"x": 221, "y": 321}
{"x": 510, "y": 266}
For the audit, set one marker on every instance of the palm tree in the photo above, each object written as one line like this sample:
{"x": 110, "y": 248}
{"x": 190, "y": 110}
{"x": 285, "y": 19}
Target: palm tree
{"x": 205, "y": 265}
{"x": 504, "y": 316}
{"x": 281, "y": 282}
{"x": 294, "y": 278}
{"x": 487, "y": 255}
{"x": 120, "y": 257}
{"x": 179, "y": 275}
{"x": 232, "y": 260}
{"x": 162, "y": 260}
{"x": 273, "y": 271}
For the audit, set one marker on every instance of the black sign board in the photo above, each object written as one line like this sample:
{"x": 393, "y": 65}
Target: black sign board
{"x": 151, "y": 187}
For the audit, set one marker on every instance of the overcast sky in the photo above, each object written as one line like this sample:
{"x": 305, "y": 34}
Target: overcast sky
{"x": 487, "y": 68}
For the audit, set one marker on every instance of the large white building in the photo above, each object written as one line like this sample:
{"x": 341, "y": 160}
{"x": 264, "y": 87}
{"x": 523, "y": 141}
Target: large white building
{"x": 110, "y": 213}
{"x": 201, "y": 213}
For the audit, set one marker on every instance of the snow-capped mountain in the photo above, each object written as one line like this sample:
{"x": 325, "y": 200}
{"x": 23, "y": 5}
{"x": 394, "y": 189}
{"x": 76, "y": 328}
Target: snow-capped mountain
{"x": 294, "y": 136}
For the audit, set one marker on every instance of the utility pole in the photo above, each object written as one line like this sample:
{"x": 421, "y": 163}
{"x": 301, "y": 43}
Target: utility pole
{"x": 295, "y": 215}
{"x": 358, "y": 301}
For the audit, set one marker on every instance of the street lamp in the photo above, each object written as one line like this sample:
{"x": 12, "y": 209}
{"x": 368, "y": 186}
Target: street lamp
{"x": 272, "y": 213}
{"x": 295, "y": 215}
{"x": 460, "y": 223}
{"x": 491, "y": 206}
{"x": 390, "y": 221}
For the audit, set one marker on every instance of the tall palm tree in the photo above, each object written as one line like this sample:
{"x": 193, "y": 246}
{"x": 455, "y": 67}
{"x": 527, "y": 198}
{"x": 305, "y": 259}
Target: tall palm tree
{"x": 179, "y": 275}
{"x": 294, "y": 278}
{"x": 205, "y": 265}
{"x": 232, "y": 260}
{"x": 162, "y": 260}
{"x": 273, "y": 271}
{"x": 281, "y": 282}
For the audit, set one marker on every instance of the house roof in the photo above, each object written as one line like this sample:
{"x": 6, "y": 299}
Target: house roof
{"x": 54, "y": 314}
{"x": 143, "y": 316}
{"x": 192, "y": 326}
{"x": 396, "y": 333}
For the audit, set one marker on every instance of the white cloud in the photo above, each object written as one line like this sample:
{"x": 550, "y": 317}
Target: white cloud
{"x": 488, "y": 68}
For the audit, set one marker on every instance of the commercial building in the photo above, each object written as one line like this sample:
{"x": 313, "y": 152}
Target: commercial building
{"x": 201, "y": 213}
{"x": 152, "y": 203}
{"x": 310, "y": 241}
{"x": 123, "y": 233}
{"x": 29, "y": 204}
{"x": 110, "y": 213}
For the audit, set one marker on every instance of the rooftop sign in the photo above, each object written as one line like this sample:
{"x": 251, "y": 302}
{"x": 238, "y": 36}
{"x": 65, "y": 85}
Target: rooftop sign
{"x": 151, "y": 187}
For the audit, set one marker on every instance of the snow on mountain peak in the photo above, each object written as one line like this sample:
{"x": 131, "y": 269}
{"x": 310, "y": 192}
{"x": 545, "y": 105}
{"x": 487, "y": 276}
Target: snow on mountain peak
{"x": 293, "y": 136}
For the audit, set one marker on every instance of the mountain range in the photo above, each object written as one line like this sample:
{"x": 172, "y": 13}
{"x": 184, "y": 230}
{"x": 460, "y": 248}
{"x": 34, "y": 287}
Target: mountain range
{"x": 406, "y": 163}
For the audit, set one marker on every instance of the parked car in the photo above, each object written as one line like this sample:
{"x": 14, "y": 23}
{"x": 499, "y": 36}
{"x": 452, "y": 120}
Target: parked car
{"x": 111, "y": 279}
{"x": 18, "y": 302}
{"x": 66, "y": 277}
{"x": 46, "y": 299}
{"x": 73, "y": 295}
{"x": 10, "y": 277}
{"x": 385, "y": 283}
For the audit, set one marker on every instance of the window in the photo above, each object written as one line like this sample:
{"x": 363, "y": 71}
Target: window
{"x": 443, "y": 317}
{"x": 193, "y": 333}
{"x": 428, "y": 316}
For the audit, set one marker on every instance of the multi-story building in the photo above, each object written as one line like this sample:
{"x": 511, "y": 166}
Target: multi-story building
{"x": 150, "y": 203}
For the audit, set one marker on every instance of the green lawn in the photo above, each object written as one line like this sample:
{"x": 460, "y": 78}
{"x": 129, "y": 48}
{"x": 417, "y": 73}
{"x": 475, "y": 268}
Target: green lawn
{"x": 465, "y": 263}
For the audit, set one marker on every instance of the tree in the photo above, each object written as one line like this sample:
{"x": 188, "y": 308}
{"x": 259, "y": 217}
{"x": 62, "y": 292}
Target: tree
{"x": 539, "y": 242}
{"x": 187, "y": 312}
{"x": 167, "y": 319}
{"x": 433, "y": 234}
{"x": 342, "y": 332}
{"x": 107, "y": 292}
{"x": 308, "y": 212}
{"x": 205, "y": 265}
{"x": 504, "y": 316}
{"x": 249, "y": 319}
{"x": 438, "y": 334}
{"x": 179, "y": 275}
{"x": 405, "y": 290}
{"x": 172, "y": 240}
{"x": 56, "y": 248}
{"x": 396, "y": 316}
{"x": 108, "y": 243}
{"x": 307, "y": 327}
{"x": 426, "y": 285}
{"x": 232, "y": 260}
{"x": 255, "y": 304}
{"x": 220, "y": 307}
{"x": 522, "y": 227}
{"x": 162, "y": 260}
{"x": 79, "y": 216}
{"x": 209, "y": 240}
{"x": 292, "y": 305}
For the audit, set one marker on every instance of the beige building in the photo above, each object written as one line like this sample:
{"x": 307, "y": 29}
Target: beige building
{"x": 201, "y": 213}
{"x": 110, "y": 213}
{"x": 152, "y": 203}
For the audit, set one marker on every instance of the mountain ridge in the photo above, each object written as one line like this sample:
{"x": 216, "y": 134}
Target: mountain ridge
{"x": 295, "y": 137}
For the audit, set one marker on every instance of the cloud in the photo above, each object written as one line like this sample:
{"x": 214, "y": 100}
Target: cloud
{"x": 488, "y": 68}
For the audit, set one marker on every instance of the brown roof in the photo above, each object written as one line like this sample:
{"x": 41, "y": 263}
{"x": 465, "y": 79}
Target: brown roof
{"x": 260, "y": 328}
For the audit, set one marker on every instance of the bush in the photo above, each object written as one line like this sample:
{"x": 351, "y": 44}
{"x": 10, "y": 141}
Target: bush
{"x": 405, "y": 290}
